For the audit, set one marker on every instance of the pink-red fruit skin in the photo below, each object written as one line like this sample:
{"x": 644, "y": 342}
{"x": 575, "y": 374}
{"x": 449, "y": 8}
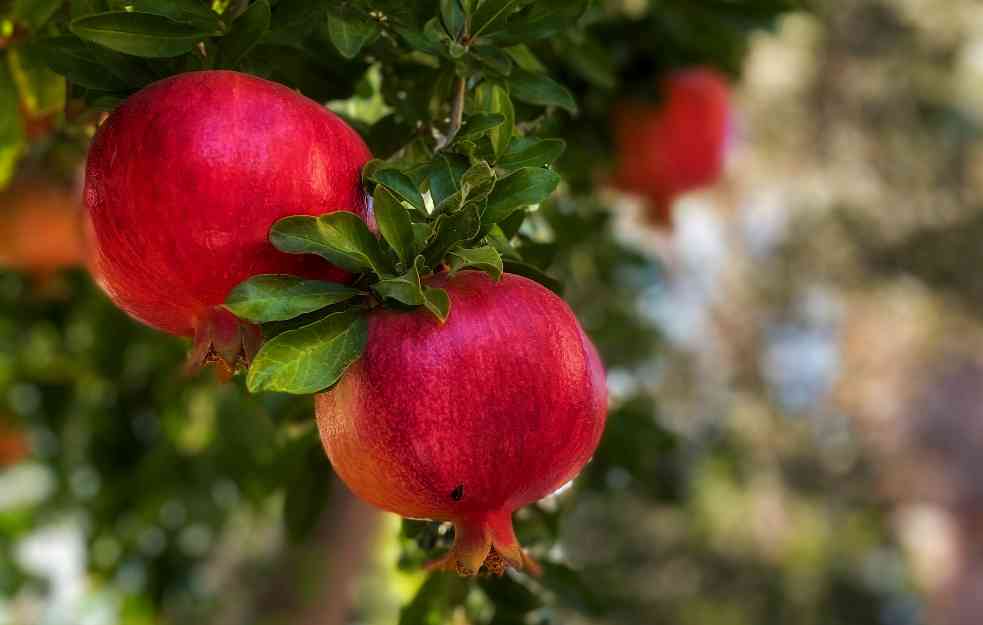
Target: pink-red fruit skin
{"x": 185, "y": 178}
{"x": 469, "y": 420}
{"x": 676, "y": 146}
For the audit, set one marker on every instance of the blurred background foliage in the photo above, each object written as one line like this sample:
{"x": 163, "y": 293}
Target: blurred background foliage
{"x": 794, "y": 370}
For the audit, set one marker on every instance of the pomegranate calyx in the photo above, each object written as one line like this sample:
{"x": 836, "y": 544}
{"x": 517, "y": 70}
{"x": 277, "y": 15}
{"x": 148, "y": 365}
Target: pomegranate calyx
{"x": 485, "y": 546}
{"x": 224, "y": 340}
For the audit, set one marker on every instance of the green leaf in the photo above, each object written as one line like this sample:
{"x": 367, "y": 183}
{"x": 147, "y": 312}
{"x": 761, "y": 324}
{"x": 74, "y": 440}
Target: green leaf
{"x": 406, "y": 289}
{"x": 438, "y": 302}
{"x": 485, "y": 258}
{"x": 451, "y": 229}
{"x": 479, "y": 124}
{"x": 526, "y": 270}
{"x": 540, "y": 90}
{"x": 526, "y": 186}
{"x": 452, "y": 15}
{"x": 445, "y": 177}
{"x": 493, "y": 58}
{"x": 492, "y": 98}
{"x": 92, "y": 66}
{"x": 545, "y": 18}
{"x": 34, "y": 13}
{"x": 531, "y": 152}
{"x": 139, "y": 34}
{"x": 400, "y": 184}
{"x": 309, "y": 359}
{"x": 245, "y": 33}
{"x": 11, "y": 126}
{"x": 191, "y": 12}
{"x": 421, "y": 234}
{"x": 341, "y": 237}
{"x": 394, "y": 224}
{"x": 349, "y": 32}
{"x": 525, "y": 58}
{"x": 492, "y": 16}
{"x": 42, "y": 91}
{"x": 266, "y": 298}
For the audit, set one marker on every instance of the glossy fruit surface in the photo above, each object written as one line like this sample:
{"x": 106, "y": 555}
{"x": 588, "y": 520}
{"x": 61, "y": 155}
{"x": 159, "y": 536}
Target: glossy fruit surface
{"x": 676, "y": 146}
{"x": 185, "y": 178}
{"x": 470, "y": 420}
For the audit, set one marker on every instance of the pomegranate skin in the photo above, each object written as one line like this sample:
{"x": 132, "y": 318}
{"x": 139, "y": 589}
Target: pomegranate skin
{"x": 185, "y": 178}
{"x": 677, "y": 146}
{"x": 470, "y": 420}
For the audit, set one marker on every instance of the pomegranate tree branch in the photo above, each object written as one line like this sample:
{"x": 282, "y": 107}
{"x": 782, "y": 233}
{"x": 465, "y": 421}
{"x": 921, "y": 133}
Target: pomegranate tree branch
{"x": 457, "y": 114}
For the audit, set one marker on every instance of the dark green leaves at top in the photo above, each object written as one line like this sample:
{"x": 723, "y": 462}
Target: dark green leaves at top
{"x": 479, "y": 124}
{"x": 192, "y": 12}
{"x": 139, "y": 34}
{"x": 543, "y": 18}
{"x": 531, "y": 152}
{"x": 311, "y": 358}
{"x": 394, "y": 224}
{"x": 485, "y": 258}
{"x": 445, "y": 177}
{"x": 449, "y": 230}
{"x": 91, "y": 66}
{"x": 350, "y": 31}
{"x": 452, "y": 16}
{"x": 492, "y": 98}
{"x": 540, "y": 90}
{"x": 408, "y": 289}
{"x": 245, "y": 33}
{"x": 266, "y": 298}
{"x": 523, "y": 188}
{"x": 400, "y": 184}
{"x": 340, "y": 237}
{"x": 492, "y": 16}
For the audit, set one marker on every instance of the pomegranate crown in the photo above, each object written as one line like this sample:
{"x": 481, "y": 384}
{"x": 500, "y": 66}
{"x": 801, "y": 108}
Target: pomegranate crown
{"x": 460, "y": 211}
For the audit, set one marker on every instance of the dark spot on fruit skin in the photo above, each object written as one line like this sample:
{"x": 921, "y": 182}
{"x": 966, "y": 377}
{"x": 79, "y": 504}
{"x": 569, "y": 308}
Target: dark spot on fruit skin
{"x": 458, "y": 493}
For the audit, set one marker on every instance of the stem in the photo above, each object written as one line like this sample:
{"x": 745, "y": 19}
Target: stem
{"x": 457, "y": 114}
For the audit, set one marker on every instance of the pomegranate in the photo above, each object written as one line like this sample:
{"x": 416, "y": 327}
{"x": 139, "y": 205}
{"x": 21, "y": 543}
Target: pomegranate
{"x": 14, "y": 445}
{"x": 183, "y": 182}
{"x": 40, "y": 228}
{"x": 469, "y": 420}
{"x": 676, "y": 147}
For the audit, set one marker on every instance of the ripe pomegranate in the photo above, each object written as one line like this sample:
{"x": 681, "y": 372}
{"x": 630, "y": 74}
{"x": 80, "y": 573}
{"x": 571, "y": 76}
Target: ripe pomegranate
{"x": 677, "y": 146}
{"x": 14, "y": 446}
{"x": 40, "y": 228}
{"x": 470, "y": 420}
{"x": 183, "y": 182}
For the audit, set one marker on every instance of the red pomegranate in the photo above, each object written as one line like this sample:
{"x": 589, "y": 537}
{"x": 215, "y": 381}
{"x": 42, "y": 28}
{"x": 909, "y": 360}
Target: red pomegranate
{"x": 183, "y": 182}
{"x": 40, "y": 228}
{"x": 14, "y": 445}
{"x": 677, "y": 146}
{"x": 470, "y": 420}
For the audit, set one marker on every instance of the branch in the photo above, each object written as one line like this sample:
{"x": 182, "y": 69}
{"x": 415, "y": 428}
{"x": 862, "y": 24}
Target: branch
{"x": 457, "y": 114}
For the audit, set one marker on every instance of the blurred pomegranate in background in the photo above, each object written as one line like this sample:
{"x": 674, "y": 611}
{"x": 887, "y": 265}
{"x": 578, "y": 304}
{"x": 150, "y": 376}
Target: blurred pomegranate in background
{"x": 13, "y": 445}
{"x": 41, "y": 228}
{"x": 675, "y": 146}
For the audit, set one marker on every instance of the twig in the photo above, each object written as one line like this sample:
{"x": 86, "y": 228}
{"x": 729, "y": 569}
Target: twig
{"x": 457, "y": 114}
